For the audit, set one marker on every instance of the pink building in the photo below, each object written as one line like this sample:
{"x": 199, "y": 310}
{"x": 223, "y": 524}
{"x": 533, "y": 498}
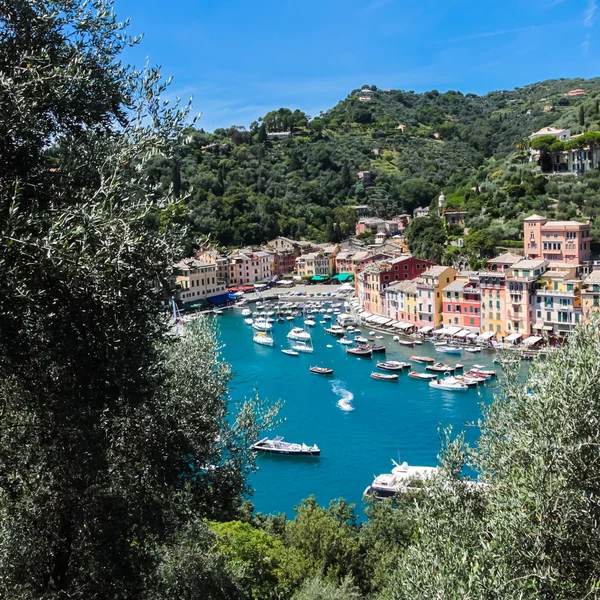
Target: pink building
{"x": 560, "y": 241}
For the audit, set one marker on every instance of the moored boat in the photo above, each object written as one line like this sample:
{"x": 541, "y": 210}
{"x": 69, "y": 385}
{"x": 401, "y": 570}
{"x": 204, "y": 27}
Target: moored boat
{"x": 378, "y": 348}
{"x": 401, "y": 479}
{"x": 384, "y": 376}
{"x": 440, "y": 368}
{"x": 393, "y": 365}
{"x": 297, "y": 333}
{"x": 473, "y": 349}
{"x": 409, "y": 343}
{"x": 424, "y": 376}
{"x": 449, "y": 349}
{"x": 262, "y": 325}
{"x": 336, "y": 330}
{"x": 261, "y": 337}
{"x": 278, "y": 446}
{"x": 290, "y": 352}
{"x": 360, "y": 351}
{"x": 248, "y": 321}
{"x": 345, "y": 341}
{"x": 422, "y": 359}
{"x": 481, "y": 369}
{"x": 302, "y": 347}
{"x": 321, "y": 370}
{"x": 448, "y": 384}
{"x": 361, "y": 340}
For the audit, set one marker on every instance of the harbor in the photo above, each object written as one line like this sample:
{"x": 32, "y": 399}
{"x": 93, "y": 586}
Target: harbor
{"x": 359, "y": 422}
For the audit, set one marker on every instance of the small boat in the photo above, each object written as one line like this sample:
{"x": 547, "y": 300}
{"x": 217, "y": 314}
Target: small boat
{"x": 290, "y": 352}
{"x": 448, "y": 349}
{"x": 321, "y": 370}
{"x": 310, "y": 322}
{"x": 473, "y": 349}
{"x": 441, "y": 368}
{"x": 470, "y": 380}
{"x": 327, "y": 317}
{"x": 278, "y": 446}
{"x": 422, "y": 359}
{"x": 384, "y": 376}
{"x": 345, "y": 341}
{"x": 361, "y": 340}
{"x": 378, "y": 337}
{"x": 217, "y": 311}
{"x": 393, "y": 365}
{"x": 261, "y": 337}
{"x": 426, "y": 376}
{"x": 248, "y": 321}
{"x": 360, "y": 351}
{"x": 280, "y": 320}
{"x": 246, "y": 312}
{"x": 475, "y": 373}
{"x": 482, "y": 369}
{"x": 336, "y": 330}
{"x": 378, "y": 348}
{"x": 302, "y": 347}
{"x": 449, "y": 384}
{"x": 409, "y": 343}
{"x": 290, "y": 318}
{"x": 298, "y": 334}
{"x": 322, "y": 322}
{"x": 371, "y": 333}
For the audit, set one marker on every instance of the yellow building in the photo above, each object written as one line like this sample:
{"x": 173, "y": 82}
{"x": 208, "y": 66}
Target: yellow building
{"x": 318, "y": 264}
{"x": 411, "y": 300}
{"x": 590, "y": 294}
{"x": 429, "y": 296}
{"x": 197, "y": 281}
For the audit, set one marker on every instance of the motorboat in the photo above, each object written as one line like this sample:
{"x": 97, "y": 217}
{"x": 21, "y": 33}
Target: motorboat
{"x": 261, "y": 337}
{"x": 473, "y": 349}
{"x": 297, "y": 333}
{"x": 361, "y": 340}
{"x": 409, "y": 343}
{"x": 278, "y": 446}
{"x": 310, "y": 322}
{"x": 401, "y": 479}
{"x": 470, "y": 380}
{"x": 384, "y": 376}
{"x": 302, "y": 347}
{"x": 262, "y": 325}
{"x": 336, "y": 330}
{"x": 481, "y": 369}
{"x": 321, "y": 370}
{"x": 393, "y": 365}
{"x": 246, "y": 312}
{"x": 449, "y": 384}
{"x": 248, "y": 321}
{"x": 378, "y": 348}
{"x": 290, "y": 352}
{"x": 290, "y": 318}
{"x": 345, "y": 341}
{"x": 440, "y": 368}
{"x": 217, "y": 311}
{"x": 475, "y": 373}
{"x": 280, "y": 320}
{"x": 360, "y": 351}
{"x": 448, "y": 349}
{"x": 425, "y": 376}
{"x": 327, "y": 317}
{"x": 422, "y": 359}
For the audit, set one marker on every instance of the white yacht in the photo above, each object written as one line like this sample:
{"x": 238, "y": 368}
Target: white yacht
{"x": 399, "y": 480}
{"x": 336, "y": 330}
{"x": 262, "y": 325}
{"x": 297, "y": 333}
{"x": 302, "y": 347}
{"x": 246, "y": 312}
{"x": 261, "y": 337}
{"x": 450, "y": 384}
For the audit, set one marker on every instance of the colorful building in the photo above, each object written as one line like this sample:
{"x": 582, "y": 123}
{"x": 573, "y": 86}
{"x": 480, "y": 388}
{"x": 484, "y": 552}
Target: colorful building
{"x": 401, "y": 301}
{"x": 318, "y": 264}
{"x": 249, "y": 267}
{"x": 462, "y": 302}
{"x": 590, "y": 294}
{"x": 197, "y": 281}
{"x": 561, "y": 241}
{"x": 430, "y": 287}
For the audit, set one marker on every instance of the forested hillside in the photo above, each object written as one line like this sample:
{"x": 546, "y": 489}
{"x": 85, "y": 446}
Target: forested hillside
{"x": 247, "y": 188}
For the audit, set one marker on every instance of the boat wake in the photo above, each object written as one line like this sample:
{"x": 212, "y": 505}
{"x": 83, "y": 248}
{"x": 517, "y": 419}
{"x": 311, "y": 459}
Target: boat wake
{"x": 345, "y": 396}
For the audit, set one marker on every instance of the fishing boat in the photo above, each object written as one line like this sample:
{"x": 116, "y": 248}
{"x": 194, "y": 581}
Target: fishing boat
{"x": 297, "y": 333}
{"x": 345, "y": 341}
{"x": 384, "y": 376}
{"x": 449, "y": 384}
{"x": 262, "y": 325}
{"x": 278, "y": 446}
{"x": 336, "y": 330}
{"x": 261, "y": 337}
{"x": 321, "y": 370}
{"x": 302, "y": 347}
{"x": 361, "y": 340}
{"x": 401, "y": 479}
{"x": 290, "y": 352}
{"x": 393, "y": 365}
{"x": 422, "y": 359}
{"x": 409, "y": 343}
{"x": 441, "y": 368}
{"x": 378, "y": 348}
{"x": 425, "y": 376}
{"x": 448, "y": 349}
{"x": 360, "y": 351}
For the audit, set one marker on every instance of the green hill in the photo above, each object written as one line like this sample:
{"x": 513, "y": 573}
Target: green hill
{"x": 244, "y": 188}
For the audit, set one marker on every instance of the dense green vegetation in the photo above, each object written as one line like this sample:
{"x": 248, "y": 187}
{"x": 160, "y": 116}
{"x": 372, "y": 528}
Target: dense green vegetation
{"x": 245, "y": 188}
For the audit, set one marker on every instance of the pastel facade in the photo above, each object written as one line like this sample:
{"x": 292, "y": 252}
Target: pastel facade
{"x": 561, "y": 241}
{"x": 462, "y": 303}
{"x": 430, "y": 287}
{"x": 320, "y": 263}
{"x": 196, "y": 281}
{"x": 590, "y": 294}
{"x": 250, "y": 267}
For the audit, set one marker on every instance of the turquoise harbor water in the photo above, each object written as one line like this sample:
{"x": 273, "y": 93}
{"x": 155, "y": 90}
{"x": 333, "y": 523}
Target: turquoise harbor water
{"x": 390, "y": 420}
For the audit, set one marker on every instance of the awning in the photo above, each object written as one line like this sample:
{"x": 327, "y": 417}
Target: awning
{"x": 406, "y": 325}
{"x": 547, "y": 328}
{"x": 538, "y": 326}
{"x": 384, "y": 320}
{"x": 372, "y": 319}
{"x": 532, "y": 340}
{"x": 462, "y": 334}
{"x": 344, "y": 277}
{"x": 221, "y": 298}
{"x": 392, "y": 323}
{"x": 318, "y": 278}
{"x": 285, "y": 282}
{"x": 366, "y": 315}
{"x": 453, "y": 330}
{"x": 487, "y": 335}
{"x": 426, "y": 329}
{"x": 513, "y": 337}
{"x": 472, "y": 336}
{"x": 441, "y": 331}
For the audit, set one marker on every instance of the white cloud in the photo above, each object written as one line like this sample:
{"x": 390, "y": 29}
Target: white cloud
{"x": 590, "y": 11}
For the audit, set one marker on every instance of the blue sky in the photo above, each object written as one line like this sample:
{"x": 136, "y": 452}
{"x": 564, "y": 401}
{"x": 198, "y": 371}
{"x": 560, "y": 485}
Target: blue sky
{"x": 241, "y": 58}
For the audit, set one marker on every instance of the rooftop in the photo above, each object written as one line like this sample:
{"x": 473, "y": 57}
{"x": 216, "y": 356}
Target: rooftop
{"x": 192, "y": 263}
{"x": 508, "y": 258}
{"x": 456, "y": 286}
{"x": 593, "y": 277}
{"x": 535, "y": 218}
{"x": 435, "y": 271}
{"x": 530, "y": 264}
